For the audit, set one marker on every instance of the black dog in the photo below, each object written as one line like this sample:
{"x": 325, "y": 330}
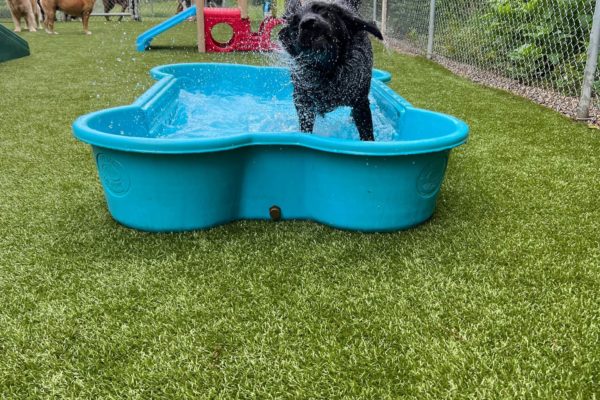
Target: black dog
{"x": 333, "y": 60}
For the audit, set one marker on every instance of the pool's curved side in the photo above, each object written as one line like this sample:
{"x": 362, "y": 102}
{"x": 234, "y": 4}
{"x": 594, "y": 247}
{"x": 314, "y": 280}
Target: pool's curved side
{"x": 175, "y": 185}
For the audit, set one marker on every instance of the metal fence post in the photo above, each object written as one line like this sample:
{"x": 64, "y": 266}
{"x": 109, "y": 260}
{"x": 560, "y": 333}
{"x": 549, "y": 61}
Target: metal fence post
{"x": 375, "y": 10}
{"x": 431, "y": 29}
{"x": 384, "y": 17}
{"x": 583, "y": 109}
{"x": 135, "y": 10}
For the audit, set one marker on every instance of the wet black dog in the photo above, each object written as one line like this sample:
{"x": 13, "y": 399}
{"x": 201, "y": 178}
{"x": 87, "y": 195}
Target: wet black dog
{"x": 333, "y": 60}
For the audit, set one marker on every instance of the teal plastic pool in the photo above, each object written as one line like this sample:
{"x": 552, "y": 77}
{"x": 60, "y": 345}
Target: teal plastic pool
{"x": 214, "y": 143}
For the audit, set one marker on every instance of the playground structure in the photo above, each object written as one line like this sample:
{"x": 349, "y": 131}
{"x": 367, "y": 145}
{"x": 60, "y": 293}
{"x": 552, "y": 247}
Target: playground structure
{"x": 12, "y": 45}
{"x": 242, "y": 38}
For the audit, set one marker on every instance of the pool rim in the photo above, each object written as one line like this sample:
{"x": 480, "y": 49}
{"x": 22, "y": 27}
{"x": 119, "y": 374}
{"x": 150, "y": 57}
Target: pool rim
{"x": 83, "y": 131}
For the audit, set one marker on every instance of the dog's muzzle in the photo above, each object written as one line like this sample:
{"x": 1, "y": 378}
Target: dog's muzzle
{"x": 312, "y": 33}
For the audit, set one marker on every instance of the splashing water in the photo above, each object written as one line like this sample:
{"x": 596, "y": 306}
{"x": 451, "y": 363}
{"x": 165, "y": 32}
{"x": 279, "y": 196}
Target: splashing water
{"x": 201, "y": 115}
{"x": 279, "y": 57}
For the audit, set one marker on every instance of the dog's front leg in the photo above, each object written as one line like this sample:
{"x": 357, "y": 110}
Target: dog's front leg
{"x": 307, "y": 120}
{"x": 49, "y": 18}
{"x": 30, "y": 19}
{"x": 361, "y": 113}
{"x": 123, "y": 8}
{"x": 85, "y": 19}
{"x": 306, "y": 115}
{"x": 39, "y": 18}
{"x": 17, "y": 22}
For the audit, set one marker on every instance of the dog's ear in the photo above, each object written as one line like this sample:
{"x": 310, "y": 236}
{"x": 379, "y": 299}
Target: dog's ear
{"x": 355, "y": 23}
{"x": 370, "y": 27}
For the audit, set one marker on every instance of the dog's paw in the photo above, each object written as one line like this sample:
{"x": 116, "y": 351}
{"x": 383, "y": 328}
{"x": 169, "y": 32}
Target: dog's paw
{"x": 88, "y": 33}
{"x": 32, "y": 30}
{"x": 17, "y": 30}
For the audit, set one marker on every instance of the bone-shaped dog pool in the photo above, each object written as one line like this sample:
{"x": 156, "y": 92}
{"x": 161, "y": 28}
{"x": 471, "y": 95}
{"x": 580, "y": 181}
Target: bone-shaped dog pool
{"x": 213, "y": 143}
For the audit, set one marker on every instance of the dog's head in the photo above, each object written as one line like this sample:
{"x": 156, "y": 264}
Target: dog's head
{"x": 320, "y": 31}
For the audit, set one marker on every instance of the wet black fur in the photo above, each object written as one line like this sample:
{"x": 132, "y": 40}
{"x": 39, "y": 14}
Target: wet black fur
{"x": 333, "y": 60}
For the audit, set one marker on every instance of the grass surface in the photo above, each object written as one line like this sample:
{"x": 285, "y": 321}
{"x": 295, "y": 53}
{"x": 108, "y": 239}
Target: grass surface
{"x": 497, "y": 296}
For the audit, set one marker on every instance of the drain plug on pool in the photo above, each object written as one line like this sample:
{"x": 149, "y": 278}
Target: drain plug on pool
{"x": 275, "y": 213}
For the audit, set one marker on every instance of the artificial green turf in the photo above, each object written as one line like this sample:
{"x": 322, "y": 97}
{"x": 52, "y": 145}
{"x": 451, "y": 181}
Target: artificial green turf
{"x": 497, "y": 296}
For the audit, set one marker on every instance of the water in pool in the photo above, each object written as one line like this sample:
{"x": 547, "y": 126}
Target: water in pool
{"x": 201, "y": 115}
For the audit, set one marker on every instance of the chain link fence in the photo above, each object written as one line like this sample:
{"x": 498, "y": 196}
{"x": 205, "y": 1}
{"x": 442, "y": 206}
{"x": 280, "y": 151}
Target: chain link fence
{"x": 161, "y": 9}
{"x": 536, "y": 48}
{"x": 148, "y": 9}
{"x": 151, "y": 9}
{"x": 119, "y": 9}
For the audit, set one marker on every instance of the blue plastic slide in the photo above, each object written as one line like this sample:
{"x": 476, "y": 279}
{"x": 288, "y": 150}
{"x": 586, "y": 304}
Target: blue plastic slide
{"x": 143, "y": 41}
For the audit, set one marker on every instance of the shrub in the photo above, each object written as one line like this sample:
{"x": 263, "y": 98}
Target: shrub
{"x": 535, "y": 41}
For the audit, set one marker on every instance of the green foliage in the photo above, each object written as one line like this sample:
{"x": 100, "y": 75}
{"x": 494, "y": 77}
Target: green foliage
{"x": 532, "y": 41}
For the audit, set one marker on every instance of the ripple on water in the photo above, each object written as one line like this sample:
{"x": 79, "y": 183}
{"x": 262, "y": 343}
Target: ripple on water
{"x": 201, "y": 115}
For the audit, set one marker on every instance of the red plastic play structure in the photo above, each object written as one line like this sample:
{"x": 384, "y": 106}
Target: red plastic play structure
{"x": 243, "y": 39}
